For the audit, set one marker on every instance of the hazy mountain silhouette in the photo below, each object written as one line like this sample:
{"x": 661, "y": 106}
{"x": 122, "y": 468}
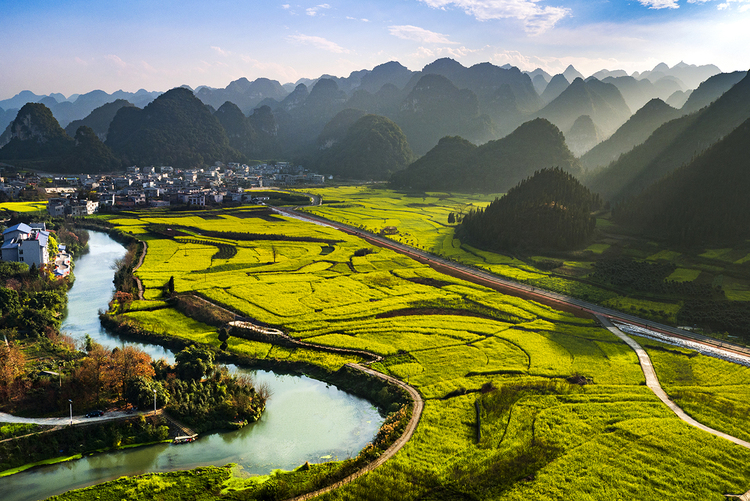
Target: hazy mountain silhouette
{"x": 437, "y": 108}
{"x": 702, "y": 203}
{"x": 98, "y": 120}
{"x": 632, "y": 133}
{"x": 583, "y": 135}
{"x": 674, "y": 144}
{"x": 457, "y": 165}
{"x": 601, "y": 101}
{"x": 710, "y": 90}
{"x": 556, "y": 86}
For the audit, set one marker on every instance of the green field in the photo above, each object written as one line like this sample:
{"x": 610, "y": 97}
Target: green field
{"x": 24, "y": 207}
{"x": 543, "y": 438}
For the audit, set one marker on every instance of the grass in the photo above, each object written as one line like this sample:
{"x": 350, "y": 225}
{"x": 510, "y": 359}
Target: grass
{"x": 9, "y": 430}
{"x": 55, "y": 460}
{"x": 684, "y": 275}
{"x": 198, "y": 484}
{"x": 451, "y": 339}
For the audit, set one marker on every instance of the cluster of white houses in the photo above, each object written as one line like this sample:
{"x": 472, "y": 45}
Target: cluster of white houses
{"x": 163, "y": 186}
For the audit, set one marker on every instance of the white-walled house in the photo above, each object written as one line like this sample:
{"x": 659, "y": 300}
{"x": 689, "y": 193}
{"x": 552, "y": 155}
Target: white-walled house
{"x": 24, "y": 244}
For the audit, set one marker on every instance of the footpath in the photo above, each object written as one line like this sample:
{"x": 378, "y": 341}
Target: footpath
{"x": 653, "y": 383}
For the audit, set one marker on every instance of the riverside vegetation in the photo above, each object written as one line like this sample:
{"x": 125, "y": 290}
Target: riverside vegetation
{"x": 563, "y": 406}
{"x": 42, "y": 368}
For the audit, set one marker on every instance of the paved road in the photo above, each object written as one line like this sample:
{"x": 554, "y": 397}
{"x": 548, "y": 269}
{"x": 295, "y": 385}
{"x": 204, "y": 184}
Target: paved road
{"x": 515, "y": 288}
{"x": 653, "y": 383}
{"x": 64, "y": 421}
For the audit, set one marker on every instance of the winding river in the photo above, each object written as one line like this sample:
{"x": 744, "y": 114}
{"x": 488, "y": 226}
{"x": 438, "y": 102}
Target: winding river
{"x": 305, "y": 419}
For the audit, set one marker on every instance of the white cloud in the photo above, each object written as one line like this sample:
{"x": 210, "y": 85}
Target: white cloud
{"x": 286, "y": 6}
{"x": 220, "y": 51}
{"x": 318, "y": 43}
{"x": 116, "y": 60}
{"x": 728, "y": 4}
{"x": 660, "y": 4}
{"x": 536, "y": 19}
{"x": 408, "y": 32}
{"x": 313, "y": 11}
{"x": 364, "y": 20}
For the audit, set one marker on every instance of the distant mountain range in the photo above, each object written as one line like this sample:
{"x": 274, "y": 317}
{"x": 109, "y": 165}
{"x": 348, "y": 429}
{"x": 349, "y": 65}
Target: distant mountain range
{"x": 503, "y": 95}
{"x": 472, "y": 124}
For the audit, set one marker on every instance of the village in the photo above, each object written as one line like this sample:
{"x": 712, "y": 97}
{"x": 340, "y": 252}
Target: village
{"x": 160, "y": 186}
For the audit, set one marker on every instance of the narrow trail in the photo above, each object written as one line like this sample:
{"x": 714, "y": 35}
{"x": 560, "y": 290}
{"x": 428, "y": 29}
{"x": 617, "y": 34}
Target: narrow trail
{"x": 395, "y": 446}
{"x": 653, "y": 383}
{"x": 138, "y": 265}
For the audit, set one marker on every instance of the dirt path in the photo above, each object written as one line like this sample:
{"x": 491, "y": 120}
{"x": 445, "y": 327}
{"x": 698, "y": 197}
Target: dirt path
{"x": 418, "y": 403}
{"x": 395, "y": 446}
{"x": 653, "y": 383}
{"x": 135, "y": 268}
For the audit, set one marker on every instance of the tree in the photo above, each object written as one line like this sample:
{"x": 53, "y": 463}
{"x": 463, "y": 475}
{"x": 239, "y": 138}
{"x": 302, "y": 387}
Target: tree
{"x": 194, "y": 362}
{"x": 12, "y": 367}
{"x": 170, "y": 285}
{"x": 126, "y": 364}
{"x": 224, "y": 337}
{"x": 9, "y": 302}
{"x": 140, "y": 392}
{"x": 451, "y": 218}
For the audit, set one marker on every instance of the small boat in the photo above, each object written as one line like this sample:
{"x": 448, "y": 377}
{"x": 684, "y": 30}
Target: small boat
{"x": 184, "y": 439}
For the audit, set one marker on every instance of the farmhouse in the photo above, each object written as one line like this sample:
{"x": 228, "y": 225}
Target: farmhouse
{"x": 25, "y": 244}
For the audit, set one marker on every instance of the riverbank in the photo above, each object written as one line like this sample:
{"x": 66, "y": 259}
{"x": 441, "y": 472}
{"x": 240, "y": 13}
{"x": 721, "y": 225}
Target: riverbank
{"x": 295, "y": 415}
{"x": 73, "y": 442}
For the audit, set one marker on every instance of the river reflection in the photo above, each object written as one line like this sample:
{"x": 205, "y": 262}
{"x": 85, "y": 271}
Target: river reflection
{"x": 305, "y": 419}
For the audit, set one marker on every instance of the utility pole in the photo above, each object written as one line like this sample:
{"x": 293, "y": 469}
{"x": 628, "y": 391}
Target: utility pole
{"x": 71, "y": 412}
{"x": 154, "y": 402}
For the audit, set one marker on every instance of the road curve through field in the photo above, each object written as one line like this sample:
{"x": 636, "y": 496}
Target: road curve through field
{"x": 653, "y": 383}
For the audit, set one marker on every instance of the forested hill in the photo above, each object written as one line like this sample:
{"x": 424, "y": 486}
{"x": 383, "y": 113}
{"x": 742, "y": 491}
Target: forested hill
{"x": 36, "y": 135}
{"x": 99, "y": 119}
{"x": 703, "y": 203}
{"x": 673, "y": 144}
{"x": 550, "y": 210}
{"x": 372, "y": 148}
{"x": 457, "y": 165}
{"x": 175, "y": 129}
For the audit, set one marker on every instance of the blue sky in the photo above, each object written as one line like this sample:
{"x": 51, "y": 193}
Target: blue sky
{"x": 81, "y": 45}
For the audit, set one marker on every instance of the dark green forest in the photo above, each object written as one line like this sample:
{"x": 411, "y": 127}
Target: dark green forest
{"x": 550, "y": 210}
